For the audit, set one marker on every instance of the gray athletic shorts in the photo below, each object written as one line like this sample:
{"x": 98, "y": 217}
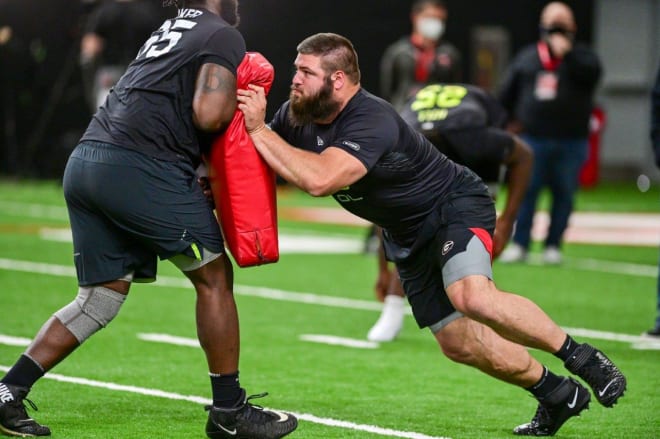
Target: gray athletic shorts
{"x": 128, "y": 209}
{"x": 462, "y": 246}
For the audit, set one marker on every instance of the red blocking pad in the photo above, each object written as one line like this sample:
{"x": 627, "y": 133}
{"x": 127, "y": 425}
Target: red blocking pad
{"x": 243, "y": 184}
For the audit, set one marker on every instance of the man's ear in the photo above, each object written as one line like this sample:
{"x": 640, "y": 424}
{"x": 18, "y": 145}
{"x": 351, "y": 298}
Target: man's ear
{"x": 338, "y": 78}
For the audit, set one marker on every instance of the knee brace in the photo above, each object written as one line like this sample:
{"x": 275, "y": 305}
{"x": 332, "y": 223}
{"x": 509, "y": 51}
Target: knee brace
{"x": 92, "y": 309}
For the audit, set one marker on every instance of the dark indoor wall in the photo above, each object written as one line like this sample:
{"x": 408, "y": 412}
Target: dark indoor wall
{"x": 274, "y": 28}
{"x": 41, "y": 95}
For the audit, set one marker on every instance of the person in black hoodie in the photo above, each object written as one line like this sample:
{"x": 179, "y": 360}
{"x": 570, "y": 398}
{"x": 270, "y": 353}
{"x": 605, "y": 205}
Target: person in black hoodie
{"x": 549, "y": 90}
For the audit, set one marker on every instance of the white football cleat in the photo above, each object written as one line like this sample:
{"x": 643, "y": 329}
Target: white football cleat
{"x": 513, "y": 253}
{"x": 552, "y": 255}
{"x": 390, "y": 322}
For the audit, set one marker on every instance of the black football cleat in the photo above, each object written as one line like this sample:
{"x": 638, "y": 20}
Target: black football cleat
{"x": 606, "y": 380}
{"x": 566, "y": 401}
{"x": 14, "y": 420}
{"x": 248, "y": 421}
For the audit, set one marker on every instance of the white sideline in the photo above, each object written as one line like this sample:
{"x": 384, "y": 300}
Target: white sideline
{"x": 205, "y": 401}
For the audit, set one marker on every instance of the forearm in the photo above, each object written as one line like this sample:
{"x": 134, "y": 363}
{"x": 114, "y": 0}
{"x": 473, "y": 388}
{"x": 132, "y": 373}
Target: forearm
{"x": 518, "y": 176}
{"x": 302, "y": 168}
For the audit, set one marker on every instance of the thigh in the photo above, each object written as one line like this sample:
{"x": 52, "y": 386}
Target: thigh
{"x": 102, "y": 251}
{"x": 155, "y": 207}
{"x": 461, "y": 247}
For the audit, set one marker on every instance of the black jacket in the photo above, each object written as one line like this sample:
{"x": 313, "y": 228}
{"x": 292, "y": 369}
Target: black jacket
{"x": 567, "y": 114}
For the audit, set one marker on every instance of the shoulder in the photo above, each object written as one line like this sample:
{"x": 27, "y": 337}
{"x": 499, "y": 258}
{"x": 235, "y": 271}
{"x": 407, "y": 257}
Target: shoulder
{"x": 526, "y": 52}
{"x": 228, "y": 34}
{"x": 582, "y": 51}
{"x": 366, "y": 104}
{"x": 449, "y": 48}
{"x": 369, "y": 113}
{"x": 402, "y": 45}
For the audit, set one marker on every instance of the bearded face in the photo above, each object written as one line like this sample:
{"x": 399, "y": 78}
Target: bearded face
{"x": 305, "y": 109}
{"x": 229, "y": 12}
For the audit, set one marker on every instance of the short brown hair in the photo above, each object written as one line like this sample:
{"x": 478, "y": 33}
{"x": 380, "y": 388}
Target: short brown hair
{"x": 336, "y": 52}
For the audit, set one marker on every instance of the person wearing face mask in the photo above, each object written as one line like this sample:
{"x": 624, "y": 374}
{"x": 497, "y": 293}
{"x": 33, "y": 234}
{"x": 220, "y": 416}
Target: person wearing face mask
{"x": 407, "y": 64}
{"x": 549, "y": 90}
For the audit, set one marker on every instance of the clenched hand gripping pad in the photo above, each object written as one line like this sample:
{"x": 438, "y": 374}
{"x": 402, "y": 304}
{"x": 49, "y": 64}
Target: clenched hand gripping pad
{"x": 243, "y": 184}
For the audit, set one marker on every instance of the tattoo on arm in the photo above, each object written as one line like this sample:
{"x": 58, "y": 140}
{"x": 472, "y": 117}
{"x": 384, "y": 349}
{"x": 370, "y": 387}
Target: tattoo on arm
{"x": 214, "y": 78}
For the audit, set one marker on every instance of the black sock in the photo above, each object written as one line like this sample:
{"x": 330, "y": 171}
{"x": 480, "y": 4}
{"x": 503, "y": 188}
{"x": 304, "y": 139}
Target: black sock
{"x": 548, "y": 382}
{"x": 566, "y": 349}
{"x": 226, "y": 389}
{"x": 24, "y": 373}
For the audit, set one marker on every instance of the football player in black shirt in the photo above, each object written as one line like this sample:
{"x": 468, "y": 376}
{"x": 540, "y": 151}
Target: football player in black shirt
{"x": 334, "y": 138}
{"x": 468, "y": 125}
{"x": 132, "y": 194}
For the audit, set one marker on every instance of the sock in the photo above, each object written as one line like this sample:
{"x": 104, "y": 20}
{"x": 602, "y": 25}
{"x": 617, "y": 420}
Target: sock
{"x": 24, "y": 373}
{"x": 226, "y": 389}
{"x": 567, "y": 349}
{"x": 548, "y": 382}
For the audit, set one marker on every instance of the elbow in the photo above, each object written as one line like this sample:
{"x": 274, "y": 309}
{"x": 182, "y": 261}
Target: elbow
{"x": 318, "y": 188}
{"x": 211, "y": 123}
{"x": 212, "y": 117}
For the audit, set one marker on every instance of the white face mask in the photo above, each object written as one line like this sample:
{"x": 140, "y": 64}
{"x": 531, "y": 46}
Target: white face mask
{"x": 430, "y": 28}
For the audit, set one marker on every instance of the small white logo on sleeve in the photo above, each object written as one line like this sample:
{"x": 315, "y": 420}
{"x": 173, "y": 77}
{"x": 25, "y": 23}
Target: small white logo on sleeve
{"x": 351, "y": 145}
{"x": 319, "y": 141}
{"x": 447, "y": 247}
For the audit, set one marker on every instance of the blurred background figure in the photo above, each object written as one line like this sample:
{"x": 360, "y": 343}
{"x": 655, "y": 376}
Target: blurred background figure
{"x": 548, "y": 90}
{"x": 407, "y": 64}
{"x": 114, "y": 32}
{"x": 467, "y": 125}
{"x": 655, "y": 139}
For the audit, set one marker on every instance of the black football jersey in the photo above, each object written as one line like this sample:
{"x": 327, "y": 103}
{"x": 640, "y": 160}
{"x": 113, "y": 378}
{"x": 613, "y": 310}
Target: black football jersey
{"x": 407, "y": 177}
{"x": 150, "y": 108}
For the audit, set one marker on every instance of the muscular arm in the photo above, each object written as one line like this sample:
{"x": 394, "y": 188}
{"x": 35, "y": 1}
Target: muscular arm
{"x": 317, "y": 174}
{"x": 214, "y": 102}
{"x": 519, "y": 170}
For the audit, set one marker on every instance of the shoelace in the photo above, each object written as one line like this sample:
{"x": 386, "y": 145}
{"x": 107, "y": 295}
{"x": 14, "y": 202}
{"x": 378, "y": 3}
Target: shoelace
{"x": 259, "y": 395}
{"x": 258, "y": 411}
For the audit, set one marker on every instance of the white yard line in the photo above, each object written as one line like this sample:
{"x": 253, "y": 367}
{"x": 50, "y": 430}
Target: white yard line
{"x": 342, "y": 302}
{"x": 205, "y": 401}
{"x": 584, "y": 227}
{"x": 338, "y": 341}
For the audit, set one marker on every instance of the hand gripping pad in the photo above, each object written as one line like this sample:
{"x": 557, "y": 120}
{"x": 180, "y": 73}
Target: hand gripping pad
{"x": 243, "y": 184}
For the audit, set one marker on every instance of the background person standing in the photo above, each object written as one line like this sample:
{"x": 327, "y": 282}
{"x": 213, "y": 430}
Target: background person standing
{"x": 549, "y": 90}
{"x": 408, "y": 63}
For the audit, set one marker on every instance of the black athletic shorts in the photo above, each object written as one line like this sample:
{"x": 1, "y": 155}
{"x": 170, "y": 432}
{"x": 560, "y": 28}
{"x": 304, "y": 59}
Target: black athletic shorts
{"x": 462, "y": 246}
{"x": 127, "y": 209}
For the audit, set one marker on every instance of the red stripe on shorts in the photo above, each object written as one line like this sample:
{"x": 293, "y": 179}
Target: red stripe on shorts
{"x": 485, "y": 238}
